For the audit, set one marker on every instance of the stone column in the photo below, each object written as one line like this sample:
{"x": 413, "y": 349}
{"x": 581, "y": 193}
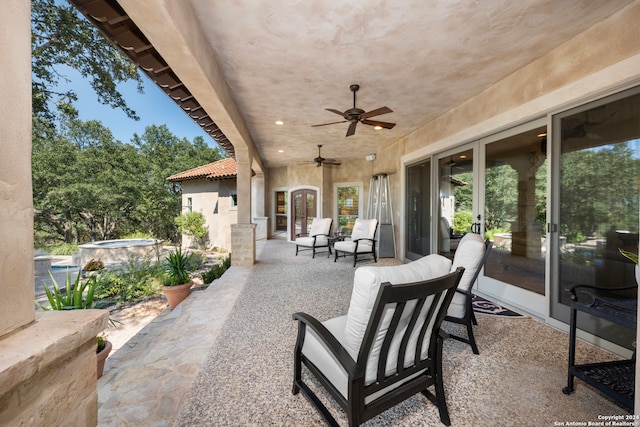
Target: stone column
{"x": 243, "y": 234}
{"x": 47, "y": 360}
{"x": 16, "y": 215}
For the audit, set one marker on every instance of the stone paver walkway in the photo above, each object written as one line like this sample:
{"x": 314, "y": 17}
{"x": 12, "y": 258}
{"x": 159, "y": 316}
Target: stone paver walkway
{"x": 146, "y": 380}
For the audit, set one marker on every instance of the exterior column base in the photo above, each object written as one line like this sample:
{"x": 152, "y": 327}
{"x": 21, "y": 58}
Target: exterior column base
{"x": 243, "y": 244}
{"x": 48, "y": 371}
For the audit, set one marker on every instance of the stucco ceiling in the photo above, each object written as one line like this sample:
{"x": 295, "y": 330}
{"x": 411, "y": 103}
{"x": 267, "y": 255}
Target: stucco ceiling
{"x": 290, "y": 59}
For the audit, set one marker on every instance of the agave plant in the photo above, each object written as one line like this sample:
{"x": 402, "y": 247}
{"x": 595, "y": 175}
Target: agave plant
{"x": 178, "y": 265}
{"x": 76, "y": 295}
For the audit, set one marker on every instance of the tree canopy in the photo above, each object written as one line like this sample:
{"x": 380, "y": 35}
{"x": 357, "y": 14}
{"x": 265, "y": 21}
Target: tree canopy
{"x": 61, "y": 37}
{"x": 88, "y": 186}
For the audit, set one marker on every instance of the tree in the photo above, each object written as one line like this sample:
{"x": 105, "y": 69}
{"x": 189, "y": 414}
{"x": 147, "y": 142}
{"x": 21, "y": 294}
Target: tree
{"x": 59, "y": 38}
{"x": 85, "y": 184}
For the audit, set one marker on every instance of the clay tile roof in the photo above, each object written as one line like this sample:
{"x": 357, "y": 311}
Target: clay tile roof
{"x": 225, "y": 168}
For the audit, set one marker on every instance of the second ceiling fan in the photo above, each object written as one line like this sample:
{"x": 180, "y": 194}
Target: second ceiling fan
{"x": 355, "y": 115}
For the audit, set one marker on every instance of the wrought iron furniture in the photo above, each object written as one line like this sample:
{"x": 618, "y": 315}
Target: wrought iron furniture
{"x": 472, "y": 253}
{"x": 362, "y": 240}
{"x": 614, "y": 378}
{"x": 389, "y": 345}
{"x": 318, "y": 237}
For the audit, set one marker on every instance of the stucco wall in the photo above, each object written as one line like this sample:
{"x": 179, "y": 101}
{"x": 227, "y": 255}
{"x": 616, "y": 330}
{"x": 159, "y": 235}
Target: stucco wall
{"x": 213, "y": 200}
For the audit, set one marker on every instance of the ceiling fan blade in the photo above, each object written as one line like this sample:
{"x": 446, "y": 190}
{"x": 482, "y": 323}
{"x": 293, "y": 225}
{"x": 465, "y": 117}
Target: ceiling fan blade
{"x": 332, "y": 162}
{"x": 340, "y": 113}
{"x": 352, "y": 128}
{"x": 376, "y": 112}
{"x": 325, "y": 124}
{"x": 385, "y": 125}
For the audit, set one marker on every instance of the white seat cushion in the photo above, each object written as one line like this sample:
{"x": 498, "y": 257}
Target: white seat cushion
{"x": 364, "y": 229}
{"x": 319, "y": 355}
{"x": 366, "y": 283}
{"x": 349, "y": 246}
{"x": 308, "y": 241}
{"x": 468, "y": 255}
{"x": 320, "y": 226}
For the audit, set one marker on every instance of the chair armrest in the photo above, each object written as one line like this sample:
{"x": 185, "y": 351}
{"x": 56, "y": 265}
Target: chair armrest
{"x": 302, "y": 234}
{"x": 465, "y": 292}
{"x": 574, "y": 288}
{"x": 344, "y": 358}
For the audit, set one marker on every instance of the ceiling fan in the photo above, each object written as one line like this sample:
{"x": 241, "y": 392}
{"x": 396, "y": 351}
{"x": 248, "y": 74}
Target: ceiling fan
{"x": 355, "y": 115}
{"x": 319, "y": 161}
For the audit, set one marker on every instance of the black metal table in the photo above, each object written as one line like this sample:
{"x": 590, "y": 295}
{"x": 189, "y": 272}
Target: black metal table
{"x": 615, "y": 378}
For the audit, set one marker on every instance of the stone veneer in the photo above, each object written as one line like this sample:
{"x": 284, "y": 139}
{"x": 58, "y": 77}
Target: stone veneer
{"x": 48, "y": 370}
{"x": 243, "y": 244}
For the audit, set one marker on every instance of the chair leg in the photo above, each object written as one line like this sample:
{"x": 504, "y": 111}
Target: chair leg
{"x": 439, "y": 385}
{"x": 472, "y": 338}
{"x": 355, "y": 258}
{"x": 313, "y": 249}
{"x": 296, "y": 250}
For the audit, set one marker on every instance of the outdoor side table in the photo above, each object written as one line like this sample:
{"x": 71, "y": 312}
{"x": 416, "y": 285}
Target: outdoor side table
{"x": 614, "y": 378}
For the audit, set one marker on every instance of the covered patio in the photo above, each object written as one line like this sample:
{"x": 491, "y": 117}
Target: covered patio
{"x": 233, "y": 365}
{"x": 236, "y": 73}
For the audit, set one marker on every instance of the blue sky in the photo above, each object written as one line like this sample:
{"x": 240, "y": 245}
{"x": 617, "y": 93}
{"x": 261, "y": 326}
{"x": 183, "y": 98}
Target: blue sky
{"x": 153, "y": 107}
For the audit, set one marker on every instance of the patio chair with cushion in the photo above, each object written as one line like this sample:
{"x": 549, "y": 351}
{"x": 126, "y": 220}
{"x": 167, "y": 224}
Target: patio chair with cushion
{"x": 362, "y": 240}
{"x": 318, "y": 236}
{"x": 387, "y": 348}
{"x": 472, "y": 253}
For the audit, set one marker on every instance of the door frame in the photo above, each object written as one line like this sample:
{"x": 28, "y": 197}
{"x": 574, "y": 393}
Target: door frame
{"x": 290, "y": 227}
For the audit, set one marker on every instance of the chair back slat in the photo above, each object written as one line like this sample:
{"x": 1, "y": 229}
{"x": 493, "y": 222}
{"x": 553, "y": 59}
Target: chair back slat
{"x": 415, "y": 316}
{"x": 393, "y": 326}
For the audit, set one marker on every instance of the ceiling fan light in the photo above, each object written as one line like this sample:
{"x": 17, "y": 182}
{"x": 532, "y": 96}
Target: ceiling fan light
{"x": 378, "y": 127}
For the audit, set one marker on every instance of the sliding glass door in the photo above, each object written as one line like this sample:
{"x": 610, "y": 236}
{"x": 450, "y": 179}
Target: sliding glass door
{"x": 597, "y": 189}
{"x": 418, "y": 210}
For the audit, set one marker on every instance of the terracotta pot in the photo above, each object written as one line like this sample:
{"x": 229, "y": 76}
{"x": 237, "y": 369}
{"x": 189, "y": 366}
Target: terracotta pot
{"x": 175, "y": 294}
{"x": 102, "y": 357}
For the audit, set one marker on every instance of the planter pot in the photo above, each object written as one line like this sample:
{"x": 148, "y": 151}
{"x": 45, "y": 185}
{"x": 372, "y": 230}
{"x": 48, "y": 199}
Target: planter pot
{"x": 175, "y": 294}
{"x": 102, "y": 357}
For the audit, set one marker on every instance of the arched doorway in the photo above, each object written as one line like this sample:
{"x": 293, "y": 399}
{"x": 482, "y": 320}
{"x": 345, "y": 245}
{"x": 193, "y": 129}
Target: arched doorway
{"x": 303, "y": 210}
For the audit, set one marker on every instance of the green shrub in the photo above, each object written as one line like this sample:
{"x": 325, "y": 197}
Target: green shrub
{"x": 137, "y": 280}
{"x": 62, "y": 249}
{"x": 217, "y": 270}
{"x": 192, "y": 224}
{"x": 462, "y": 222}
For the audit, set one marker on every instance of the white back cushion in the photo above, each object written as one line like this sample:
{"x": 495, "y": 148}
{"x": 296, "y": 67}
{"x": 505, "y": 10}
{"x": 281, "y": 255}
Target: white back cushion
{"x": 366, "y": 283}
{"x": 364, "y": 229}
{"x": 320, "y": 226}
{"x": 468, "y": 255}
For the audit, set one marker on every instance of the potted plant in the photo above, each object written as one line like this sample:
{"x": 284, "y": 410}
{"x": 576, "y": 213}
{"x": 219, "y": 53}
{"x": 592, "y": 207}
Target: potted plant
{"x": 177, "y": 279}
{"x": 93, "y": 267}
{"x": 102, "y": 352}
{"x": 77, "y": 296}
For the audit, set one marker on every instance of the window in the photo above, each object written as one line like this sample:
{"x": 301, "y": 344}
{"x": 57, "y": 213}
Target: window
{"x": 348, "y": 207}
{"x": 281, "y": 211}
{"x": 189, "y": 204}
{"x": 234, "y": 200}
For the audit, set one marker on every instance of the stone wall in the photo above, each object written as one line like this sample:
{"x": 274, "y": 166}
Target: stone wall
{"x": 48, "y": 370}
